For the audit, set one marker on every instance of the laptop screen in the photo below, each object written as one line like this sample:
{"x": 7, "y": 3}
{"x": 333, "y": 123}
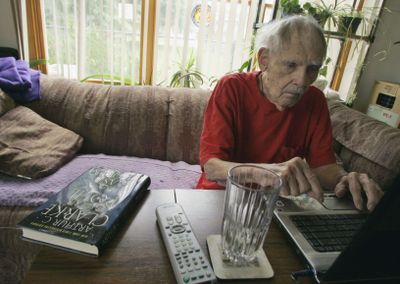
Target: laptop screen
{"x": 375, "y": 249}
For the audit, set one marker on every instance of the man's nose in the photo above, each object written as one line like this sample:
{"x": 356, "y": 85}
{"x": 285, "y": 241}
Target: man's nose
{"x": 300, "y": 77}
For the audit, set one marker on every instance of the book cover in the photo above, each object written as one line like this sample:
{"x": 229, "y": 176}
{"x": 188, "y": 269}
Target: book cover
{"x": 84, "y": 216}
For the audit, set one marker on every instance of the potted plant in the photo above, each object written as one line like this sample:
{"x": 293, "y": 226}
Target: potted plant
{"x": 290, "y": 7}
{"x": 320, "y": 10}
{"x": 350, "y": 20}
{"x": 348, "y": 24}
{"x": 188, "y": 76}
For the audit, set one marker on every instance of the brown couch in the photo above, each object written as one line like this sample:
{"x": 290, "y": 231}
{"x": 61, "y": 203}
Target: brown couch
{"x": 165, "y": 124}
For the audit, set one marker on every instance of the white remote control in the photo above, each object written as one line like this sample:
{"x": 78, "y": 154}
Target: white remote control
{"x": 187, "y": 258}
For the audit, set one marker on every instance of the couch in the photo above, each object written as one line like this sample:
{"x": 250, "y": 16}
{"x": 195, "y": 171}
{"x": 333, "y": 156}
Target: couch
{"x": 164, "y": 124}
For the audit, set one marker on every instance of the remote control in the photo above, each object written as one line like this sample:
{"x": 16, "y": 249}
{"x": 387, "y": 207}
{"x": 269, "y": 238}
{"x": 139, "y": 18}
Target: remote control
{"x": 187, "y": 258}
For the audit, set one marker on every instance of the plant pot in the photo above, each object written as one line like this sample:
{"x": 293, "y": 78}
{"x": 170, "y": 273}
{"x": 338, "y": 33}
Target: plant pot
{"x": 348, "y": 24}
{"x": 321, "y": 19}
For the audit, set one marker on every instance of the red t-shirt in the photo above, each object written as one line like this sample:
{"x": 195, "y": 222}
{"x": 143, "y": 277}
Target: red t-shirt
{"x": 240, "y": 125}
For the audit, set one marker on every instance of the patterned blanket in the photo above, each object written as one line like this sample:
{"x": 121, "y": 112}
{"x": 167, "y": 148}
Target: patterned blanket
{"x": 163, "y": 174}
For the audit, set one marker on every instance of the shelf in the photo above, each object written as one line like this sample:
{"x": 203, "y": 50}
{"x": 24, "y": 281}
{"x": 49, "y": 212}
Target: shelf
{"x": 340, "y": 36}
{"x": 335, "y": 35}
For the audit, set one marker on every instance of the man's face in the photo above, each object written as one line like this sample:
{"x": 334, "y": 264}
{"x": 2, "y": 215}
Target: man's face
{"x": 290, "y": 71}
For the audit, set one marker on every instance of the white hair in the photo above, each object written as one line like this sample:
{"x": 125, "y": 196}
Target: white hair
{"x": 276, "y": 34}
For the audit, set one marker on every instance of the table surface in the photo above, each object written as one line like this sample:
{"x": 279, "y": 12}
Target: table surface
{"x": 137, "y": 253}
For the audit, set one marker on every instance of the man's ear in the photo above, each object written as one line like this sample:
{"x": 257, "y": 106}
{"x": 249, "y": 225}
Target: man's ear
{"x": 262, "y": 56}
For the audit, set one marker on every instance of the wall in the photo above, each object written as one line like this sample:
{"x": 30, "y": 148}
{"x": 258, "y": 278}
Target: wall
{"x": 383, "y": 59}
{"x": 8, "y": 35}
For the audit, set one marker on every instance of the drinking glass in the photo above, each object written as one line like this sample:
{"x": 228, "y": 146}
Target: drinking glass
{"x": 250, "y": 197}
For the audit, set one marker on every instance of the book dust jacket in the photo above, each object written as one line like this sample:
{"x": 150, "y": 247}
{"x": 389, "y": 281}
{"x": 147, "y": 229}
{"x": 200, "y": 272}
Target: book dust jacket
{"x": 89, "y": 208}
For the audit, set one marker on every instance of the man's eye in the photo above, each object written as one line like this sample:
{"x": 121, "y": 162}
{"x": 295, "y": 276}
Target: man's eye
{"x": 291, "y": 65}
{"x": 313, "y": 69}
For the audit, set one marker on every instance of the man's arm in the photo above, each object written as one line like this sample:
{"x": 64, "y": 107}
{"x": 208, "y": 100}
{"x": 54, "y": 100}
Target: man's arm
{"x": 217, "y": 170}
{"x": 335, "y": 178}
{"x": 329, "y": 175}
{"x": 298, "y": 177}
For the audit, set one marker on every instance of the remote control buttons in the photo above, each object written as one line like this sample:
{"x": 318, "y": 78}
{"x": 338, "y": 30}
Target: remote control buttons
{"x": 178, "y": 229}
{"x": 178, "y": 219}
{"x": 170, "y": 220}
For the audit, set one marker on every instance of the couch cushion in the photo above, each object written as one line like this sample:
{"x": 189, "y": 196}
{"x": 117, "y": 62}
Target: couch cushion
{"x": 6, "y": 103}
{"x": 33, "y": 147}
{"x": 115, "y": 120}
{"x": 358, "y": 163}
{"x": 366, "y": 140}
{"x": 186, "y": 110}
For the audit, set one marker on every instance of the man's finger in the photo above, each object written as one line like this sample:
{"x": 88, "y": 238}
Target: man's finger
{"x": 306, "y": 179}
{"x": 285, "y": 191}
{"x": 315, "y": 186}
{"x": 372, "y": 190}
{"x": 312, "y": 183}
{"x": 302, "y": 181}
{"x": 293, "y": 185}
{"x": 287, "y": 172}
{"x": 299, "y": 184}
{"x": 342, "y": 187}
{"x": 355, "y": 190}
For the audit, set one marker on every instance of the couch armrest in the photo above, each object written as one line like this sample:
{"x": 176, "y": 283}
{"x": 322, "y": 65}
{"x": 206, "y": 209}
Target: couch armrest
{"x": 368, "y": 145}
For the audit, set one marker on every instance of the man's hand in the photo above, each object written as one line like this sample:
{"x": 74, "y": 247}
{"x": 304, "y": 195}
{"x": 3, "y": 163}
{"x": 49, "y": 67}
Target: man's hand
{"x": 357, "y": 184}
{"x": 296, "y": 173}
{"x": 298, "y": 178}
{"x": 334, "y": 177}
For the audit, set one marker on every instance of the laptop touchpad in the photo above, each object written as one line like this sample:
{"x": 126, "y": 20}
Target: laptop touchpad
{"x": 331, "y": 202}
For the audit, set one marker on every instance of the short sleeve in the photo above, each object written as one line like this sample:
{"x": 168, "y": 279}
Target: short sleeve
{"x": 217, "y": 138}
{"x": 320, "y": 151}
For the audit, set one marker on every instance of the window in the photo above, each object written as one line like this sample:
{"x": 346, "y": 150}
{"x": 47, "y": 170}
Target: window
{"x": 213, "y": 37}
{"x": 99, "y": 39}
{"x": 150, "y": 41}
{"x": 136, "y": 42}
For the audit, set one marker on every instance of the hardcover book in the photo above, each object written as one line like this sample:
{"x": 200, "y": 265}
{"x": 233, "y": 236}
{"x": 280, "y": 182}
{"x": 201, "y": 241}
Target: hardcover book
{"x": 85, "y": 215}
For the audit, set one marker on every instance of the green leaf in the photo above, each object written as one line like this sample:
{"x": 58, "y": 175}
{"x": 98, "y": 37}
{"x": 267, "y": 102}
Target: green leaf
{"x": 107, "y": 79}
{"x": 244, "y": 65}
{"x": 36, "y": 62}
{"x": 323, "y": 71}
{"x": 175, "y": 80}
{"x": 187, "y": 75}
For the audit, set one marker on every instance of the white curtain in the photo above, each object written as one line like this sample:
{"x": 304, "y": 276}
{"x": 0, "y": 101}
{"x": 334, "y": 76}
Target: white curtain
{"x": 99, "y": 39}
{"x": 216, "y": 35}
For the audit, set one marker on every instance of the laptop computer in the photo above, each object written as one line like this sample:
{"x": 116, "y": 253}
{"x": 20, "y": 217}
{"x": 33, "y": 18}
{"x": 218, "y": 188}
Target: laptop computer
{"x": 347, "y": 245}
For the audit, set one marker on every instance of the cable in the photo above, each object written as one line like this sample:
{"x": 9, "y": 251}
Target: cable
{"x": 302, "y": 273}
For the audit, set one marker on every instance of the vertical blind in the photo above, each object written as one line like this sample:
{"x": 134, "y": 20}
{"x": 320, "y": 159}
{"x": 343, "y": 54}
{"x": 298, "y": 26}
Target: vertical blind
{"x": 149, "y": 41}
{"x": 101, "y": 39}
{"x": 216, "y": 34}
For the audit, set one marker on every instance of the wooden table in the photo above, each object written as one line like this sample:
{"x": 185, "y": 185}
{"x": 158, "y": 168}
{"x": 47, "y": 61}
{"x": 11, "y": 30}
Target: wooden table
{"x": 137, "y": 253}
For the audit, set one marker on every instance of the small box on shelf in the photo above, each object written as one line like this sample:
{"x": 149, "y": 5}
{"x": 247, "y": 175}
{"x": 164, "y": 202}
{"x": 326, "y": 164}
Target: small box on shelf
{"x": 384, "y": 115}
{"x": 384, "y": 103}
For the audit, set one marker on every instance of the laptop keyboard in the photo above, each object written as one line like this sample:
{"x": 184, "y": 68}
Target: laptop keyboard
{"x": 328, "y": 233}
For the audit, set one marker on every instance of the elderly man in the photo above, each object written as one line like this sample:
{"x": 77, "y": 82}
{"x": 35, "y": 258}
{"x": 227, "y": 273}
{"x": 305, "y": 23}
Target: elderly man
{"x": 274, "y": 118}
